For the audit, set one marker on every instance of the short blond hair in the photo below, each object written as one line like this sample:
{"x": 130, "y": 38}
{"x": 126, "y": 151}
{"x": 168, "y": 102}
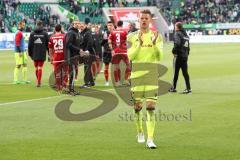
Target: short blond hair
{"x": 146, "y": 11}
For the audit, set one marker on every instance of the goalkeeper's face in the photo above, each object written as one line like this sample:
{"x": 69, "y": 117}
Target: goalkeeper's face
{"x": 145, "y": 20}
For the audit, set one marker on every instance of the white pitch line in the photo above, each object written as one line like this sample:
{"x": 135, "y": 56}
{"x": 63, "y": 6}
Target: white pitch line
{"x": 43, "y": 84}
{"x": 38, "y": 99}
{"x": 6, "y": 83}
{"x": 30, "y": 100}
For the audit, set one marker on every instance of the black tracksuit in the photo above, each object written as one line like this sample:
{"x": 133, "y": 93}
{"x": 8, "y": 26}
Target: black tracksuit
{"x": 107, "y": 55}
{"x": 72, "y": 53}
{"x": 181, "y": 51}
{"x": 38, "y": 44}
{"x": 97, "y": 40}
{"x": 87, "y": 45}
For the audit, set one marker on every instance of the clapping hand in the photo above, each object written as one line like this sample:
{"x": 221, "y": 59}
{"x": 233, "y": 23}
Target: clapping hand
{"x": 140, "y": 37}
{"x": 154, "y": 40}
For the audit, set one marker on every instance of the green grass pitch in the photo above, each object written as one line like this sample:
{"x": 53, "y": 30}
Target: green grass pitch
{"x": 30, "y": 130}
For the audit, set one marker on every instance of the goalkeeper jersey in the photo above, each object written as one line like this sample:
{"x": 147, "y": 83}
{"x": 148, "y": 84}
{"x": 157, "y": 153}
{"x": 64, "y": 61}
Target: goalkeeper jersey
{"x": 148, "y": 52}
{"x": 145, "y": 57}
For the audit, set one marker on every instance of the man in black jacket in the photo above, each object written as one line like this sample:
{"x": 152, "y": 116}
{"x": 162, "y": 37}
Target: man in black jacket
{"x": 72, "y": 52}
{"x": 181, "y": 51}
{"x": 97, "y": 40}
{"x": 87, "y": 47}
{"x": 37, "y": 49}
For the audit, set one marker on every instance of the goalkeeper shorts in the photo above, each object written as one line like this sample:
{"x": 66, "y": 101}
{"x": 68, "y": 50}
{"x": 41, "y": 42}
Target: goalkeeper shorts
{"x": 144, "y": 82}
{"x": 21, "y": 59}
{"x": 147, "y": 92}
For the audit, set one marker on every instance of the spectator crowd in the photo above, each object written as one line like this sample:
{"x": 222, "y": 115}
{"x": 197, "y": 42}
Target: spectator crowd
{"x": 201, "y": 11}
{"x": 187, "y": 11}
{"x": 10, "y": 14}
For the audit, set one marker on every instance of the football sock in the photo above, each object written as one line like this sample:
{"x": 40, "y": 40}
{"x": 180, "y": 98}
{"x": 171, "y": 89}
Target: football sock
{"x": 39, "y": 77}
{"x": 94, "y": 70}
{"x": 150, "y": 123}
{"x": 57, "y": 74}
{"x": 116, "y": 76}
{"x": 127, "y": 73}
{"x": 106, "y": 73}
{"x": 36, "y": 73}
{"x": 16, "y": 71}
{"x": 98, "y": 67}
{"x": 138, "y": 120}
{"x": 119, "y": 74}
{"x": 24, "y": 73}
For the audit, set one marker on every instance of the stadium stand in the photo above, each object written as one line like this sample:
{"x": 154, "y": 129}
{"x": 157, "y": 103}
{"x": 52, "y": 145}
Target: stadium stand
{"x": 200, "y": 11}
{"x": 93, "y": 10}
{"x": 11, "y": 15}
{"x": 37, "y": 11}
{"x": 11, "y": 12}
{"x": 28, "y": 12}
{"x": 2, "y": 15}
{"x": 188, "y": 11}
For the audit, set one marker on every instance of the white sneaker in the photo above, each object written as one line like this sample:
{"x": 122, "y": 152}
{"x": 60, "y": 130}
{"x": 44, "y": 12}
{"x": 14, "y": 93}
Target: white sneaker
{"x": 107, "y": 83}
{"x": 150, "y": 144}
{"x": 140, "y": 138}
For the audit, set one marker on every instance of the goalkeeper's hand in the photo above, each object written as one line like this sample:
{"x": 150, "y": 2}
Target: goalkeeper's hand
{"x": 140, "y": 38}
{"x": 154, "y": 40}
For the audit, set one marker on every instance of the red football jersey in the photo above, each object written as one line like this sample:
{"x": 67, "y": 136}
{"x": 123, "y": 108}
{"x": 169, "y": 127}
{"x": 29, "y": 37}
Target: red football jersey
{"x": 56, "y": 43}
{"x": 118, "y": 38}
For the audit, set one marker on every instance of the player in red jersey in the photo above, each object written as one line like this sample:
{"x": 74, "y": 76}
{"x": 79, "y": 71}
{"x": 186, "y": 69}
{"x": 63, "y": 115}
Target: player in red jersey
{"x": 118, "y": 45}
{"x": 57, "y": 58}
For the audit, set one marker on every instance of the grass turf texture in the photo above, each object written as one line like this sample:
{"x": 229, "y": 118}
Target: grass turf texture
{"x": 30, "y": 130}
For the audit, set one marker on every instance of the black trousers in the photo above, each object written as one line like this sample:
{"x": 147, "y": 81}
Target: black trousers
{"x": 88, "y": 78}
{"x": 72, "y": 72}
{"x": 181, "y": 63}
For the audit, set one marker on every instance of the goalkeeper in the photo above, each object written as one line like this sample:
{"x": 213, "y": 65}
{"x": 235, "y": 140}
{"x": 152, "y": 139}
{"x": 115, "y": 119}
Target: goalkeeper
{"x": 20, "y": 55}
{"x": 145, "y": 49}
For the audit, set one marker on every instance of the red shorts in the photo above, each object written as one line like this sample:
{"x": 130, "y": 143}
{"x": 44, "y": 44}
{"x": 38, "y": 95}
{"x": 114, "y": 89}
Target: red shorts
{"x": 116, "y": 59}
{"x": 38, "y": 63}
{"x": 59, "y": 66}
